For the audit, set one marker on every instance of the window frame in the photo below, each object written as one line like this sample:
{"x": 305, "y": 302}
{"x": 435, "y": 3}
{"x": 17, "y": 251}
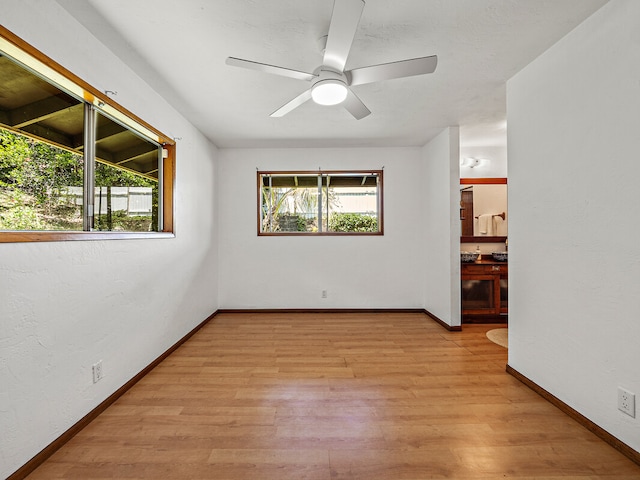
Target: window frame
{"x": 58, "y": 75}
{"x": 379, "y": 201}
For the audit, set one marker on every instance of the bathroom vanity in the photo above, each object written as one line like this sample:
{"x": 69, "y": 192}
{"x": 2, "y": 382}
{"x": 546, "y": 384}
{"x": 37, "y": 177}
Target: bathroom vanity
{"x": 484, "y": 280}
{"x": 484, "y": 290}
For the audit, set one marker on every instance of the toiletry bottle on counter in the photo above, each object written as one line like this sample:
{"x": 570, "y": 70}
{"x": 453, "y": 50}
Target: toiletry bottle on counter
{"x": 478, "y": 252}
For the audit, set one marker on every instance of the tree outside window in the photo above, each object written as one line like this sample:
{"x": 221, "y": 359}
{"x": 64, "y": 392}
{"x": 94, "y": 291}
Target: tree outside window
{"x": 337, "y": 202}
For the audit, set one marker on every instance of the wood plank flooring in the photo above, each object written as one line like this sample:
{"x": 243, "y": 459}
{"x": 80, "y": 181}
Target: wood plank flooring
{"x": 333, "y": 397}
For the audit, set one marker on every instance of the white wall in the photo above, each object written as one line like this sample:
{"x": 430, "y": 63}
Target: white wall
{"x": 574, "y": 123}
{"x": 441, "y": 201}
{"x": 291, "y": 272}
{"x": 493, "y": 161}
{"x": 66, "y": 305}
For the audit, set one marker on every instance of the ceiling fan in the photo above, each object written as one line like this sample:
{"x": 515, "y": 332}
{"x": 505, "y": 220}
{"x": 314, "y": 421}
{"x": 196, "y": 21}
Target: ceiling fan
{"x": 330, "y": 82}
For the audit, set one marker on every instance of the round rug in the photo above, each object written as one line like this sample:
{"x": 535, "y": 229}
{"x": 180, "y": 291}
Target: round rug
{"x": 499, "y": 336}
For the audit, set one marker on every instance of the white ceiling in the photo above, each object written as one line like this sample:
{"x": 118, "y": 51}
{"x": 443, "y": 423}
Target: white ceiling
{"x": 180, "y": 47}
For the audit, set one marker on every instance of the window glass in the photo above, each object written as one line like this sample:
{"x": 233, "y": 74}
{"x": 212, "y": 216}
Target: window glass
{"x": 38, "y": 108}
{"x": 41, "y": 186}
{"x": 320, "y": 203}
{"x": 352, "y": 203}
{"x": 41, "y": 146}
{"x": 126, "y": 179}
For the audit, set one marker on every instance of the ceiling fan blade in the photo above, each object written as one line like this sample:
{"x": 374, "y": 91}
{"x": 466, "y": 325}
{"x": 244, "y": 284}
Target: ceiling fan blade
{"x": 387, "y": 71}
{"x": 295, "y": 103}
{"x": 344, "y": 22}
{"x": 263, "y": 67}
{"x": 355, "y": 106}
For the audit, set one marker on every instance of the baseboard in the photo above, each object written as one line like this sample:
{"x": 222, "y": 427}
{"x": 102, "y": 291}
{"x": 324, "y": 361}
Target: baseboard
{"x": 321, "y": 310}
{"x": 451, "y": 328}
{"x": 616, "y": 443}
{"x": 49, "y": 450}
{"x": 344, "y": 310}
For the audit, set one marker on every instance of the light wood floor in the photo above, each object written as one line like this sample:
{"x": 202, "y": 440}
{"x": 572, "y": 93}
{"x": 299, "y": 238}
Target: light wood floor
{"x": 334, "y": 396}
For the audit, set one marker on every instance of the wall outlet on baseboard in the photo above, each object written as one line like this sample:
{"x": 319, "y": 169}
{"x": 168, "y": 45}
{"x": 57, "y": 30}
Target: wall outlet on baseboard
{"x": 97, "y": 371}
{"x": 324, "y": 294}
{"x": 627, "y": 402}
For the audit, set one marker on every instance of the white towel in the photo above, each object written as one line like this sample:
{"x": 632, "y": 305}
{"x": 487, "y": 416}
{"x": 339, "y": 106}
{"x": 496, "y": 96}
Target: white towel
{"x": 485, "y": 224}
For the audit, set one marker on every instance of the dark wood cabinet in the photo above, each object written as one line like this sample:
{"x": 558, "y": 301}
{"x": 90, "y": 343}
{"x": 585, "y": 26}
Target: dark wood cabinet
{"x": 484, "y": 291}
{"x": 466, "y": 213}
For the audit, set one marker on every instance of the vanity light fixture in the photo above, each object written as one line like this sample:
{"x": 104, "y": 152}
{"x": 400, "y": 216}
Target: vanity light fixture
{"x": 473, "y": 162}
{"x": 470, "y": 162}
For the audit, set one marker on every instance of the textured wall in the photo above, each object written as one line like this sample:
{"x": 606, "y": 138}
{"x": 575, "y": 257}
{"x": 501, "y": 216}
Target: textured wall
{"x": 66, "y": 305}
{"x": 574, "y": 265}
{"x": 291, "y": 272}
{"x": 441, "y": 203}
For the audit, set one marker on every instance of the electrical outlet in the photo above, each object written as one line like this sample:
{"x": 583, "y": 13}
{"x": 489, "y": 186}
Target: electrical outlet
{"x": 324, "y": 294}
{"x": 97, "y": 372}
{"x": 627, "y": 402}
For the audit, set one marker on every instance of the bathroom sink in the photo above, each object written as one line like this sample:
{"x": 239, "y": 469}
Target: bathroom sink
{"x": 500, "y": 256}
{"x": 468, "y": 257}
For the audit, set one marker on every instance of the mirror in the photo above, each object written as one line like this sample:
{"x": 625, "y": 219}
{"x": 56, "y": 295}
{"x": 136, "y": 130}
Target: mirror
{"x": 483, "y": 210}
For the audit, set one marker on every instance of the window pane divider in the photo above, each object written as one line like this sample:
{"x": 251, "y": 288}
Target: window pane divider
{"x": 320, "y": 203}
{"x": 89, "y": 166}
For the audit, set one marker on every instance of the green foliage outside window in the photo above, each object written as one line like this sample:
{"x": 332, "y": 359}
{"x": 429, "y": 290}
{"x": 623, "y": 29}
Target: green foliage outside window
{"x": 352, "y": 222}
{"x": 39, "y": 186}
{"x": 107, "y": 177}
{"x": 34, "y": 181}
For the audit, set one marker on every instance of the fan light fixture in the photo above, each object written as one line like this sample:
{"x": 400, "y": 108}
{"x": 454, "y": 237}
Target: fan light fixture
{"x": 329, "y": 92}
{"x": 331, "y": 84}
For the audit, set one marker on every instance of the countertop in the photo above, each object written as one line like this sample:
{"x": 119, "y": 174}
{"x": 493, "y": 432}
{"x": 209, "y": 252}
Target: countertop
{"x": 486, "y": 260}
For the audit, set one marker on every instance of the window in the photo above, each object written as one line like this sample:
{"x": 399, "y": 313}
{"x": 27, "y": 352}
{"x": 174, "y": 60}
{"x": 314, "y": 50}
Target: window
{"x": 125, "y": 178}
{"x": 317, "y": 203}
{"x": 73, "y": 163}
